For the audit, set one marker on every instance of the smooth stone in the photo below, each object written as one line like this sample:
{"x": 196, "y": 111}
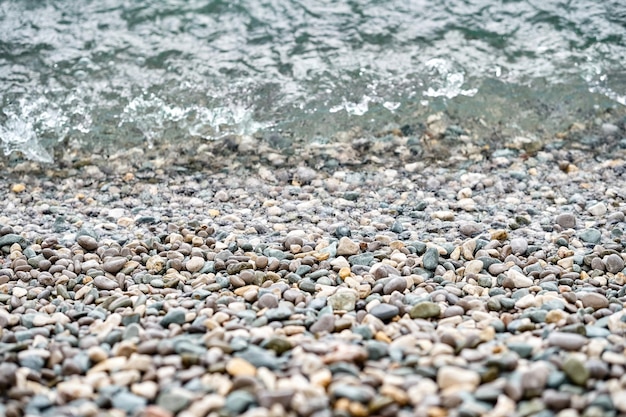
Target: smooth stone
{"x": 395, "y": 284}
{"x": 267, "y": 300}
{"x": 430, "y": 260}
{"x": 176, "y": 315}
{"x": 87, "y": 242}
{"x": 471, "y": 228}
{"x": 593, "y": 300}
{"x": 519, "y": 245}
{"x": 566, "y": 220}
{"x": 474, "y": 267}
{"x": 173, "y": 401}
{"x": 453, "y": 379}
{"x": 194, "y": 264}
{"x": 278, "y": 314}
{"x": 424, "y": 310}
{"x": 385, "y": 311}
{"x": 128, "y": 401}
{"x": 240, "y": 367}
{"x": 362, "y": 394}
{"x": 575, "y": 370}
{"x": 11, "y": 239}
{"x": 103, "y": 283}
{"x": 325, "y": 323}
{"x": 114, "y": 265}
{"x": 567, "y": 341}
{"x": 556, "y": 400}
{"x": 614, "y": 263}
{"x": 347, "y": 247}
{"x": 239, "y": 401}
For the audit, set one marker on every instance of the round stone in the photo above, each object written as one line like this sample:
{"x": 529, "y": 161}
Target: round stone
{"x": 87, "y": 242}
{"x": 385, "y": 311}
{"x": 194, "y": 264}
{"x": 614, "y": 263}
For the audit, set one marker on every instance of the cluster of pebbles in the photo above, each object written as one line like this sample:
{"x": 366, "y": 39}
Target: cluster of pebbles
{"x": 491, "y": 288}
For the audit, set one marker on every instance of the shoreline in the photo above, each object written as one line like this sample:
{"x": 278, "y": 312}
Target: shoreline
{"x": 197, "y": 281}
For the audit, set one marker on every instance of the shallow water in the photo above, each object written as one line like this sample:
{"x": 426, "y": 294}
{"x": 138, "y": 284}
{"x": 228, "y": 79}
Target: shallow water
{"x": 114, "y": 72}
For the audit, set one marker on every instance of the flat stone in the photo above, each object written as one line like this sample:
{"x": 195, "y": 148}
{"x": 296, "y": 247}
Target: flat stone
{"x": 325, "y": 323}
{"x": 452, "y": 379}
{"x": 590, "y": 236}
{"x": 175, "y": 315}
{"x": 424, "y": 310}
{"x": 278, "y": 314}
{"x": 103, "y": 283}
{"x": 566, "y": 220}
{"x": 471, "y": 228}
{"x": 385, "y": 311}
{"x": 592, "y": 299}
{"x": 128, "y": 401}
{"x": 347, "y": 247}
{"x": 239, "y": 401}
{"x": 567, "y": 341}
{"x": 173, "y": 401}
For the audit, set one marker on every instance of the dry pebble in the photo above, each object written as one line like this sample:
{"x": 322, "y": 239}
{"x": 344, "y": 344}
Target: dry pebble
{"x": 390, "y": 287}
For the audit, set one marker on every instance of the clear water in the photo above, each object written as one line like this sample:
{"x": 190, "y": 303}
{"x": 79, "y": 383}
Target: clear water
{"x": 120, "y": 72}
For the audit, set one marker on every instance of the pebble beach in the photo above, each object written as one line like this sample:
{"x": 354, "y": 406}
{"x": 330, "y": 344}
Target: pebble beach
{"x": 354, "y": 278}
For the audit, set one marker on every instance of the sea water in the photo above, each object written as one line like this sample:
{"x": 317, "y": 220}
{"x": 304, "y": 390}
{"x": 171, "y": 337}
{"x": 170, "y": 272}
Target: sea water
{"x": 125, "y": 73}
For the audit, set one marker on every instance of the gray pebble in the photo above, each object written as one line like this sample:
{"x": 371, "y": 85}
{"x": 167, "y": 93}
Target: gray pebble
{"x": 566, "y": 220}
{"x": 385, "y": 311}
{"x": 325, "y": 323}
{"x": 103, "y": 283}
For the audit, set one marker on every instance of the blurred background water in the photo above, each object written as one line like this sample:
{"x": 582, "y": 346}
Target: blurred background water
{"x": 120, "y": 72}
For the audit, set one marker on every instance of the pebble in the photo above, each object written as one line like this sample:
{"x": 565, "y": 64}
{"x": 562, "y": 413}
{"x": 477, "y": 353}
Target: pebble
{"x": 452, "y": 379}
{"x": 592, "y": 300}
{"x": 385, "y": 311}
{"x": 347, "y": 247}
{"x": 614, "y": 263}
{"x": 516, "y": 279}
{"x": 566, "y": 220}
{"x": 598, "y": 209}
{"x": 300, "y": 291}
{"x": 567, "y": 341}
{"x": 325, "y": 323}
{"x": 424, "y": 310}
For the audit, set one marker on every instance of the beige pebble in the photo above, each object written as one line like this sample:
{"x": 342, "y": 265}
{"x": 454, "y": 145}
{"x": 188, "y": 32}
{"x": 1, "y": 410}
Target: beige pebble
{"x": 240, "y": 367}
{"x": 452, "y": 379}
{"x": 146, "y": 389}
